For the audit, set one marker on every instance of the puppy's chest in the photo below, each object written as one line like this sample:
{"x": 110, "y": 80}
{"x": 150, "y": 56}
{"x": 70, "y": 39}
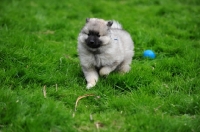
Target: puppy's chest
{"x": 102, "y": 60}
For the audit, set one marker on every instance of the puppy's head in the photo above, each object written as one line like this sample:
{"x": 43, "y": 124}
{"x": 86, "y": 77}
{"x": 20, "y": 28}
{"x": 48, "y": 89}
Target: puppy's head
{"x": 96, "y": 32}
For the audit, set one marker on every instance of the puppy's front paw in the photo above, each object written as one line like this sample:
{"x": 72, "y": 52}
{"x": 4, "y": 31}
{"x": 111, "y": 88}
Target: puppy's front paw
{"x": 104, "y": 71}
{"x": 90, "y": 85}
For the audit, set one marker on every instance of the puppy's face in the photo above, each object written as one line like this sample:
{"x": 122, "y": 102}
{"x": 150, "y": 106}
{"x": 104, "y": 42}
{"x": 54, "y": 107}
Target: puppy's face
{"x": 93, "y": 39}
{"x": 95, "y": 33}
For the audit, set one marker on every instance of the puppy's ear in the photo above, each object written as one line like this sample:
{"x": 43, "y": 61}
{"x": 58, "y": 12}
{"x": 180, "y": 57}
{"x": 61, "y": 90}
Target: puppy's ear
{"x": 109, "y": 24}
{"x": 87, "y": 20}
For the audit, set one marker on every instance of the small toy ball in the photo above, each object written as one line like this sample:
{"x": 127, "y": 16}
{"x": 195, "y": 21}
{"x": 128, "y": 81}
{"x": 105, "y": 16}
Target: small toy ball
{"x": 149, "y": 54}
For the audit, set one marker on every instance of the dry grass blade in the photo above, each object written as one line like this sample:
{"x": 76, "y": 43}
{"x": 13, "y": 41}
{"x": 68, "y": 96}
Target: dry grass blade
{"x": 98, "y": 125}
{"x": 91, "y": 118}
{"x": 44, "y": 91}
{"x": 80, "y": 97}
{"x": 56, "y": 87}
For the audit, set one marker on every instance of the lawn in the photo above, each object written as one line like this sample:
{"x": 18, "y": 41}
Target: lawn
{"x": 42, "y": 87}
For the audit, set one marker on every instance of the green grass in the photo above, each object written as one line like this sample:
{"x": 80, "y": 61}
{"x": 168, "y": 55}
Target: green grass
{"x": 38, "y": 41}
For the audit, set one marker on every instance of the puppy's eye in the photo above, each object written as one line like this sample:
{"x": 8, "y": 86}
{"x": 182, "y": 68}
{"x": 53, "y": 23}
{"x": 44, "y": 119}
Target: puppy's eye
{"x": 85, "y": 33}
{"x": 97, "y": 35}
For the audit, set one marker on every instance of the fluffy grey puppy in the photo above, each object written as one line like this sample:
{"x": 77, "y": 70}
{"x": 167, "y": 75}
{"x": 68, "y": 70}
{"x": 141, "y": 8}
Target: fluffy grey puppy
{"x": 103, "y": 47}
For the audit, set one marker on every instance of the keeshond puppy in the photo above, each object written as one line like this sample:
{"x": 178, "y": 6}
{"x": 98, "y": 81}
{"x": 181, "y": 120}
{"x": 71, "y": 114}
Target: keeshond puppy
{"x": 103, "y": 47}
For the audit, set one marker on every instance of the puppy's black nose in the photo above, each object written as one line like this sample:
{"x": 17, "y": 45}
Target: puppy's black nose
{"x": 91, "y": 41}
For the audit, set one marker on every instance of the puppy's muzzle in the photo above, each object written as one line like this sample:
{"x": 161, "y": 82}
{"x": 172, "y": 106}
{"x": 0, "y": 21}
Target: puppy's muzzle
{"x": 93, "y": 42}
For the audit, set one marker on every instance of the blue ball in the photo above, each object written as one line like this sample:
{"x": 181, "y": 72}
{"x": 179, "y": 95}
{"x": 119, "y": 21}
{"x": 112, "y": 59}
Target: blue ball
{"x": 149, "y": 54}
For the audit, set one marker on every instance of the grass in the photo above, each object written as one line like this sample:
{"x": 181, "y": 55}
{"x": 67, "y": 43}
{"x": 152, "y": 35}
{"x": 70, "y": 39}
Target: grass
{"x": 38, "y": 41}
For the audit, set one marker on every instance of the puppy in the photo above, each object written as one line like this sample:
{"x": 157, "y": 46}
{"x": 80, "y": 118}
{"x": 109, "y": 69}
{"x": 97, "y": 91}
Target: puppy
{"x": 103, "y": 47}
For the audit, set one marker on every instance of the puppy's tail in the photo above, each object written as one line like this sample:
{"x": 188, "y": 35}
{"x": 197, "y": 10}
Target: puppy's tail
{"x": 116, "y": 25}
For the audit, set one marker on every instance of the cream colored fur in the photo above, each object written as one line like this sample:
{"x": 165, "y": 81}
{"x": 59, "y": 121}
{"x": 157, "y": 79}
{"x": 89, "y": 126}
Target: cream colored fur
{"x": 115, "y": 53}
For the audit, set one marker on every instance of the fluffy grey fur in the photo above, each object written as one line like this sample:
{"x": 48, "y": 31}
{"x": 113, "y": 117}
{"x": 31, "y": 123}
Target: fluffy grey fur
{"x": 103, "y": 47}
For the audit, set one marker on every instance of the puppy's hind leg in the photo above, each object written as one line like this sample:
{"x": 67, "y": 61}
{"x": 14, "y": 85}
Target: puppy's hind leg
{"x": 125, "y": 65}
{"x": 91, "y": 77}
{"x": 124, "y": 68}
